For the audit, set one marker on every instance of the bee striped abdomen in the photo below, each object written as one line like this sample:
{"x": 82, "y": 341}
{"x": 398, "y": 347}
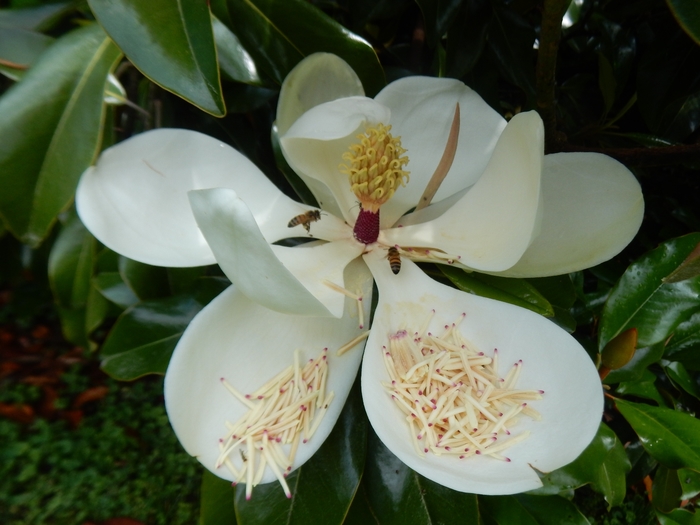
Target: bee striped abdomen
{"x": 394, "y": 259}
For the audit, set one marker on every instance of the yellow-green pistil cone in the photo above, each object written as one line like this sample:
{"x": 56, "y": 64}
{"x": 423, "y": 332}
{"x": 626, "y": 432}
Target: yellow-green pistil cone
{"x": 375, "y": 171}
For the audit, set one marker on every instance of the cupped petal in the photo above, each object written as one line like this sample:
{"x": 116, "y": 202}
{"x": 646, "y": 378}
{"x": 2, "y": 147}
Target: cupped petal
{"x": 315, "y": 144}
{"x": 422, "y": 109}
{"x": 553, "y": 361}
{"x": 592, "y": 207}
{"x": 134, "y": 200}
{"x": 319, "y": 78}
{"x": 492, "y": 225}
{"x": 287, "y": 280}
{"x": 247, "y": 344}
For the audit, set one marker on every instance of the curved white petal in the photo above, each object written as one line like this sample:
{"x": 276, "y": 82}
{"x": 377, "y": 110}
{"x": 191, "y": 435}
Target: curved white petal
{"x": 319, "y": 78}
{"x": 256, "y": 268}
{"x": 422, "y": 109}
{"x": 247, "y": 344}
{"x": 592, "y": 208}
{"x": 552, "y": 361}
{"x": 492, "y": 225}
{"x": 134, "y": 200}
{"x": 315, "y": 144}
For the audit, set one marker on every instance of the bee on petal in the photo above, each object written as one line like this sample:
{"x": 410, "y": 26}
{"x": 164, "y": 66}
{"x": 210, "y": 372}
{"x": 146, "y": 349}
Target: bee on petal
{"x": 394, "y": 259}
{"x": 305, "y": 219}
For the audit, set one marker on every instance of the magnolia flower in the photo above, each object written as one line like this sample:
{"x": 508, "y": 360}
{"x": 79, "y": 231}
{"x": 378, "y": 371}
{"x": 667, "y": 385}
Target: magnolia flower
{"x": 178, "y": 198}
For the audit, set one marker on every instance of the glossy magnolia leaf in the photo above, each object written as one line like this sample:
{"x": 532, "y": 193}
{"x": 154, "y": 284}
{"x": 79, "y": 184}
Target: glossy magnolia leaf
{"x": 216, "y": 501}
{"x": 464, "y": 47}
{"x": 70, "y": 264}
{"x": 397, "y": 495}
{"x": 146, "y": 281}
{"x": 144, "y": 336}
{"x": 323, "y": 488}
{"x": 511, "y": 39}
{"x": 634, "y": 370}
{"x": 641, "y": 299}
{"x": 360, "y": 512}
{"x": 670, "y": 437}
{"x": 690, "y": 483}
{"x": 514, "y": 291}
{"x": 114, "y": 289}
{"x": 530, "y": 510}
{"x": 279, "y": 33}
{"x": 680, "y": 377}
{"x": 688, "y": 269}
{"x": 172, "y": 43}
{"x": 644, "y": 387}
{"x": 50, "y": 124}
{"x": 666, "y": 490}
{"x": 437, "y": 16}
{"x": 684, "y": 346}
{"x": 39, "y": 18}
{"x": 679, "y": 517}
{"x": 687, "y": 12}
{"x": 603, "y": 464}
{"x": 234, "y": 60}
{"x": 19, "y": 49}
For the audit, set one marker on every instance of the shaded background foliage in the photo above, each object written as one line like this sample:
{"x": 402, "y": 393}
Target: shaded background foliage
{"x": 625, "y": 81}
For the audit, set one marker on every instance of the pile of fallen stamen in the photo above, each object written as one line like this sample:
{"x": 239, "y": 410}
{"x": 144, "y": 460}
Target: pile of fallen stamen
{"x": 288, "y": 406}
{"x": 455, "y": 402}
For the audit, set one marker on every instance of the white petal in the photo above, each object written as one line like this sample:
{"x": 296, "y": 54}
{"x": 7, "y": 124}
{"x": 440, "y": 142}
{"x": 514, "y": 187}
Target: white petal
{"x": 315, "y": 144}
{"x": 422, "y": 110}
{"x": 492, "y": 225}
{"x": 247, "y": 344}
{"x": 135, "y": 198}
{"x": 318, "y": 78}
{"x": 255, "y": 267}
{"x": 592, "y": 208}
{"x": 552, "y": 361}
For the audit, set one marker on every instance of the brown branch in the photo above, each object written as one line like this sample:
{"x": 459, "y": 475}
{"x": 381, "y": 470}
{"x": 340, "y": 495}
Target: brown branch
{"x": 661, "y": 156}
{"x": 550, "y": 35}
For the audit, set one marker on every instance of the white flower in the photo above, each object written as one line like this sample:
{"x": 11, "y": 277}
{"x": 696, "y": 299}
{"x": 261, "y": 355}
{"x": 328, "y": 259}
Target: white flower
{"x": 178, "y": 198}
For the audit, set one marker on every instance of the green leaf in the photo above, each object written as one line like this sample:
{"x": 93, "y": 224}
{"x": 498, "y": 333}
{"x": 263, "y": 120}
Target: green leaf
{"x": 514, "y": 291}
{"x": 19, "y": 49}
{"x": 531, "y": 510}
{"x": 643, "y": 300}
{"x": 51, "y": 127}
{"x": 114, "y": 289}
{"x": 146, "y": 281}
{"x": 216, "y": 503}
{"x": 511, "y": 39}
{"x": 464, "y": 47}
{"x": 666, "y": 490}
{"x": 234, "y": 60}
{"x": 437, "y": 15}
{"x": 678, "y": 517}
{"x": 644, "y": 387}
{"x": 172, "y": 43}
{"x": 684, "y": 346}
{"x": 39, "y": 18}
{"x": 688, "y": 269}
{"x": 606, "y": 82}
{"x": 323, "y": 488}
{"x": 70, "y": 264}
{"x": 690, "y": 483}
{"x": 144, "y": 336}
{"x": 670, "y": 437}
{"x": 279, "y": 33}
{"x": 397, "y": 495}
{"x": 687, "y": 12}
{"x": 680, "y": 377}
{"x": 603, "y": 464}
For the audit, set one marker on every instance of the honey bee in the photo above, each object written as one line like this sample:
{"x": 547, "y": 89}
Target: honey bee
{"x": 305, "y": 219}
{"x": 394, "y": 259}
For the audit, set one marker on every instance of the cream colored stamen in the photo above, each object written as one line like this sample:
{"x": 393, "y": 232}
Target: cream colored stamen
{"x": 289, "y": 405}
{"x": 455, "y": 402}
